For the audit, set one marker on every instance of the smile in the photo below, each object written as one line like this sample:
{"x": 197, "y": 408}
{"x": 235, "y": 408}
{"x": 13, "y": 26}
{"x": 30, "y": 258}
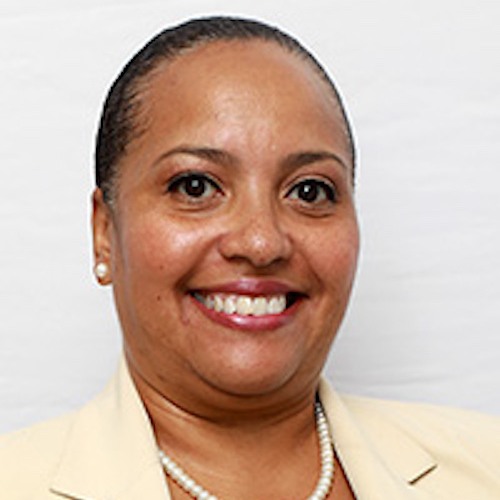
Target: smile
{"x": 246, "y": 305}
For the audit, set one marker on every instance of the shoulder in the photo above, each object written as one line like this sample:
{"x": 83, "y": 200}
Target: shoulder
{"x": 443, "y": 431}
{"x": 421, "y": 416}
{"x": 33, "y": 453}
{"x": 437, "y": 452}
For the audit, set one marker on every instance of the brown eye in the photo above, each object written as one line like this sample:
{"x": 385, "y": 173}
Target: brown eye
{"x": 313, "y": 191}
{"x": 193, "y": 185}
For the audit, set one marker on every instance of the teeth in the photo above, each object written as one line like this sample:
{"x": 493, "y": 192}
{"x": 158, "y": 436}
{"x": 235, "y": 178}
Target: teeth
{"x": 276, "y": 305}
{"x": 218, "y": 303}
{"x": 210, "y": 302}
{"x": 230, "y": 305}
{"x": 259, "y": 306}
{"x": 244, "y": 305}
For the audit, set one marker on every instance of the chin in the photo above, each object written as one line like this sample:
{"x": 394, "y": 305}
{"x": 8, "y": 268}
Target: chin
{"x": 250, "y": 363}
{"x": 248, "y": 389}
{"x": 247, "y": 380}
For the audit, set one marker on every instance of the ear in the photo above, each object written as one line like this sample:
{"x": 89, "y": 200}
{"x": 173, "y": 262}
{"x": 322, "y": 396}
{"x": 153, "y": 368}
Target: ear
{"x": 102, "y": 225}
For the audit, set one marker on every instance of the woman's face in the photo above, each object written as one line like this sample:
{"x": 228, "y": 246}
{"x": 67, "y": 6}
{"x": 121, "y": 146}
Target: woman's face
{"x": 236, "y": 196}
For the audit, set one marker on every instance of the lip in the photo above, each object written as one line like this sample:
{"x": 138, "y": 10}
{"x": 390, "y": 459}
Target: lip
{"x": 254, "y": 288}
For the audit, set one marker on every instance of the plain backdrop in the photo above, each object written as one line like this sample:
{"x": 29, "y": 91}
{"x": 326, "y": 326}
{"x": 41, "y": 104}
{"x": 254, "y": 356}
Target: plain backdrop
{"x": 421, "y": 80}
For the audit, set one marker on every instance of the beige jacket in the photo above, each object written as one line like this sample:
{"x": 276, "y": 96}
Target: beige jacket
{"x": 390, "y": 451}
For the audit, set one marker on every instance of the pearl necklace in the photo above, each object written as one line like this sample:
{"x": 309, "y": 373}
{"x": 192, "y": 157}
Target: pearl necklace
{"x": 323, "y": 485}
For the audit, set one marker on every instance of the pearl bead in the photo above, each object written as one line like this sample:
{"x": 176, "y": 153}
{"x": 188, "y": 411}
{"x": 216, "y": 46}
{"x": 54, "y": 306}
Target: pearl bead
{"x": 197, "y": 490}
{"x": 323, "y": 484}
{"x": 101, "y": 270}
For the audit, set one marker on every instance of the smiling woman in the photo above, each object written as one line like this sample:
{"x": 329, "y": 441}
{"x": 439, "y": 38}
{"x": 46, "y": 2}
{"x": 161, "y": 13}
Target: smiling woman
{"x": 248, "y": 201}
{"x": 224, "y": 219}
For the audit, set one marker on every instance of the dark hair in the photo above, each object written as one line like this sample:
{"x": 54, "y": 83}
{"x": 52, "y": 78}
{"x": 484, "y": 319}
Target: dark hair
{"x": 118, "y": 127}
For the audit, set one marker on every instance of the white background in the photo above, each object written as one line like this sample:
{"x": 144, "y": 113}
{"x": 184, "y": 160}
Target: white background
{"x": 421, "y": 80}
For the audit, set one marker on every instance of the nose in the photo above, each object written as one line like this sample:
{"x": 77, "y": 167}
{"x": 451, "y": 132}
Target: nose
{"x": 256, "y": 235}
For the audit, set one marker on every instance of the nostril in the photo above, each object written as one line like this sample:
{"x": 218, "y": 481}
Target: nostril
{"x": 261, "y": 242}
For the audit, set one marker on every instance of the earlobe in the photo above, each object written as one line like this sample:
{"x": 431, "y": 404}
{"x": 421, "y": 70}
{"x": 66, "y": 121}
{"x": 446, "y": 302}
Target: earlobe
{"x": 101, "y": 230}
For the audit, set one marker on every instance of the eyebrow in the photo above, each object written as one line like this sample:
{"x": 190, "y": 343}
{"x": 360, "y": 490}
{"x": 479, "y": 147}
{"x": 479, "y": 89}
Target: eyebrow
{"x": 212, "y": 155}
{"x": 302, "y": 158}
{"x": 221, "y": 157}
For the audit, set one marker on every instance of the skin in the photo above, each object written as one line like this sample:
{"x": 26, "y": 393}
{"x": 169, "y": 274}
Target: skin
{"x": 258, "y": 136}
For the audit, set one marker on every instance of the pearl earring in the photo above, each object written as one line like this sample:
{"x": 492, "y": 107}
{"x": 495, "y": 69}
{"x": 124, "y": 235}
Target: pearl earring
{"x": 101, "y": 270}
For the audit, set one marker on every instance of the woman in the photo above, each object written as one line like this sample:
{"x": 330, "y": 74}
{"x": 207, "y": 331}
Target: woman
{"x": 224, "y": 219}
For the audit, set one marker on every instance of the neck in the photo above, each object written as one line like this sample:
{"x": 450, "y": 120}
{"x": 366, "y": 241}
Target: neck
{"x": 226, "y": 452}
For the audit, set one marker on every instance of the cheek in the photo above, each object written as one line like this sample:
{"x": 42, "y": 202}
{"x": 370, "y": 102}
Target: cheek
{"x": 160, "y": 250}
{"x": 333, "y": 254}
{"x": 335, "y": 249}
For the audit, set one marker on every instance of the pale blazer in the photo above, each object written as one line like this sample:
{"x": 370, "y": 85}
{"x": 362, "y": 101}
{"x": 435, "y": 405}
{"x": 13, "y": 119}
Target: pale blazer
{"x": 390, "y": 451}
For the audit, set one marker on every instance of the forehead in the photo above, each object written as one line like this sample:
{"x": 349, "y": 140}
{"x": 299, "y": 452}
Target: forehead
{"x": 239, "y": 53}
{"x": 254, "y": 85}
{"x": 255, "y": 67}
{"x": 243, "y": 57}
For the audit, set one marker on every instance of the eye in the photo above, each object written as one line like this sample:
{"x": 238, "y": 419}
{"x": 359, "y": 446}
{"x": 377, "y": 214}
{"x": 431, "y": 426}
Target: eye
{"x": 313, "y": 192}
{"x": 195, "y": 186}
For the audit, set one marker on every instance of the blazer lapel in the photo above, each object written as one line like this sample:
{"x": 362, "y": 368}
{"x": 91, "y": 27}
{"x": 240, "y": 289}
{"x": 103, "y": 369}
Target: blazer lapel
{"x": 379, "y": 460}
{"x": 110, "y": 452}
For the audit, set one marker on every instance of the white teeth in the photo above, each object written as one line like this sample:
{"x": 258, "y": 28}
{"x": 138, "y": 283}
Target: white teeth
{"x": 276, "y": 305}
{"x": 259, "y": 306}
{"x": 230, "y": 305}
{"x": 210, "y": 302}
{"x": 218, "y": 303}
{"x": 244, "y": 305}
{"x": 283, "y": 302}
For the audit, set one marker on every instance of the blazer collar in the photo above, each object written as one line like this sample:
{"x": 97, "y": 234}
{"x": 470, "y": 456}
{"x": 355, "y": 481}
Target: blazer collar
{"x": 380, "y": 460}
{"x": 110, "y": 452}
